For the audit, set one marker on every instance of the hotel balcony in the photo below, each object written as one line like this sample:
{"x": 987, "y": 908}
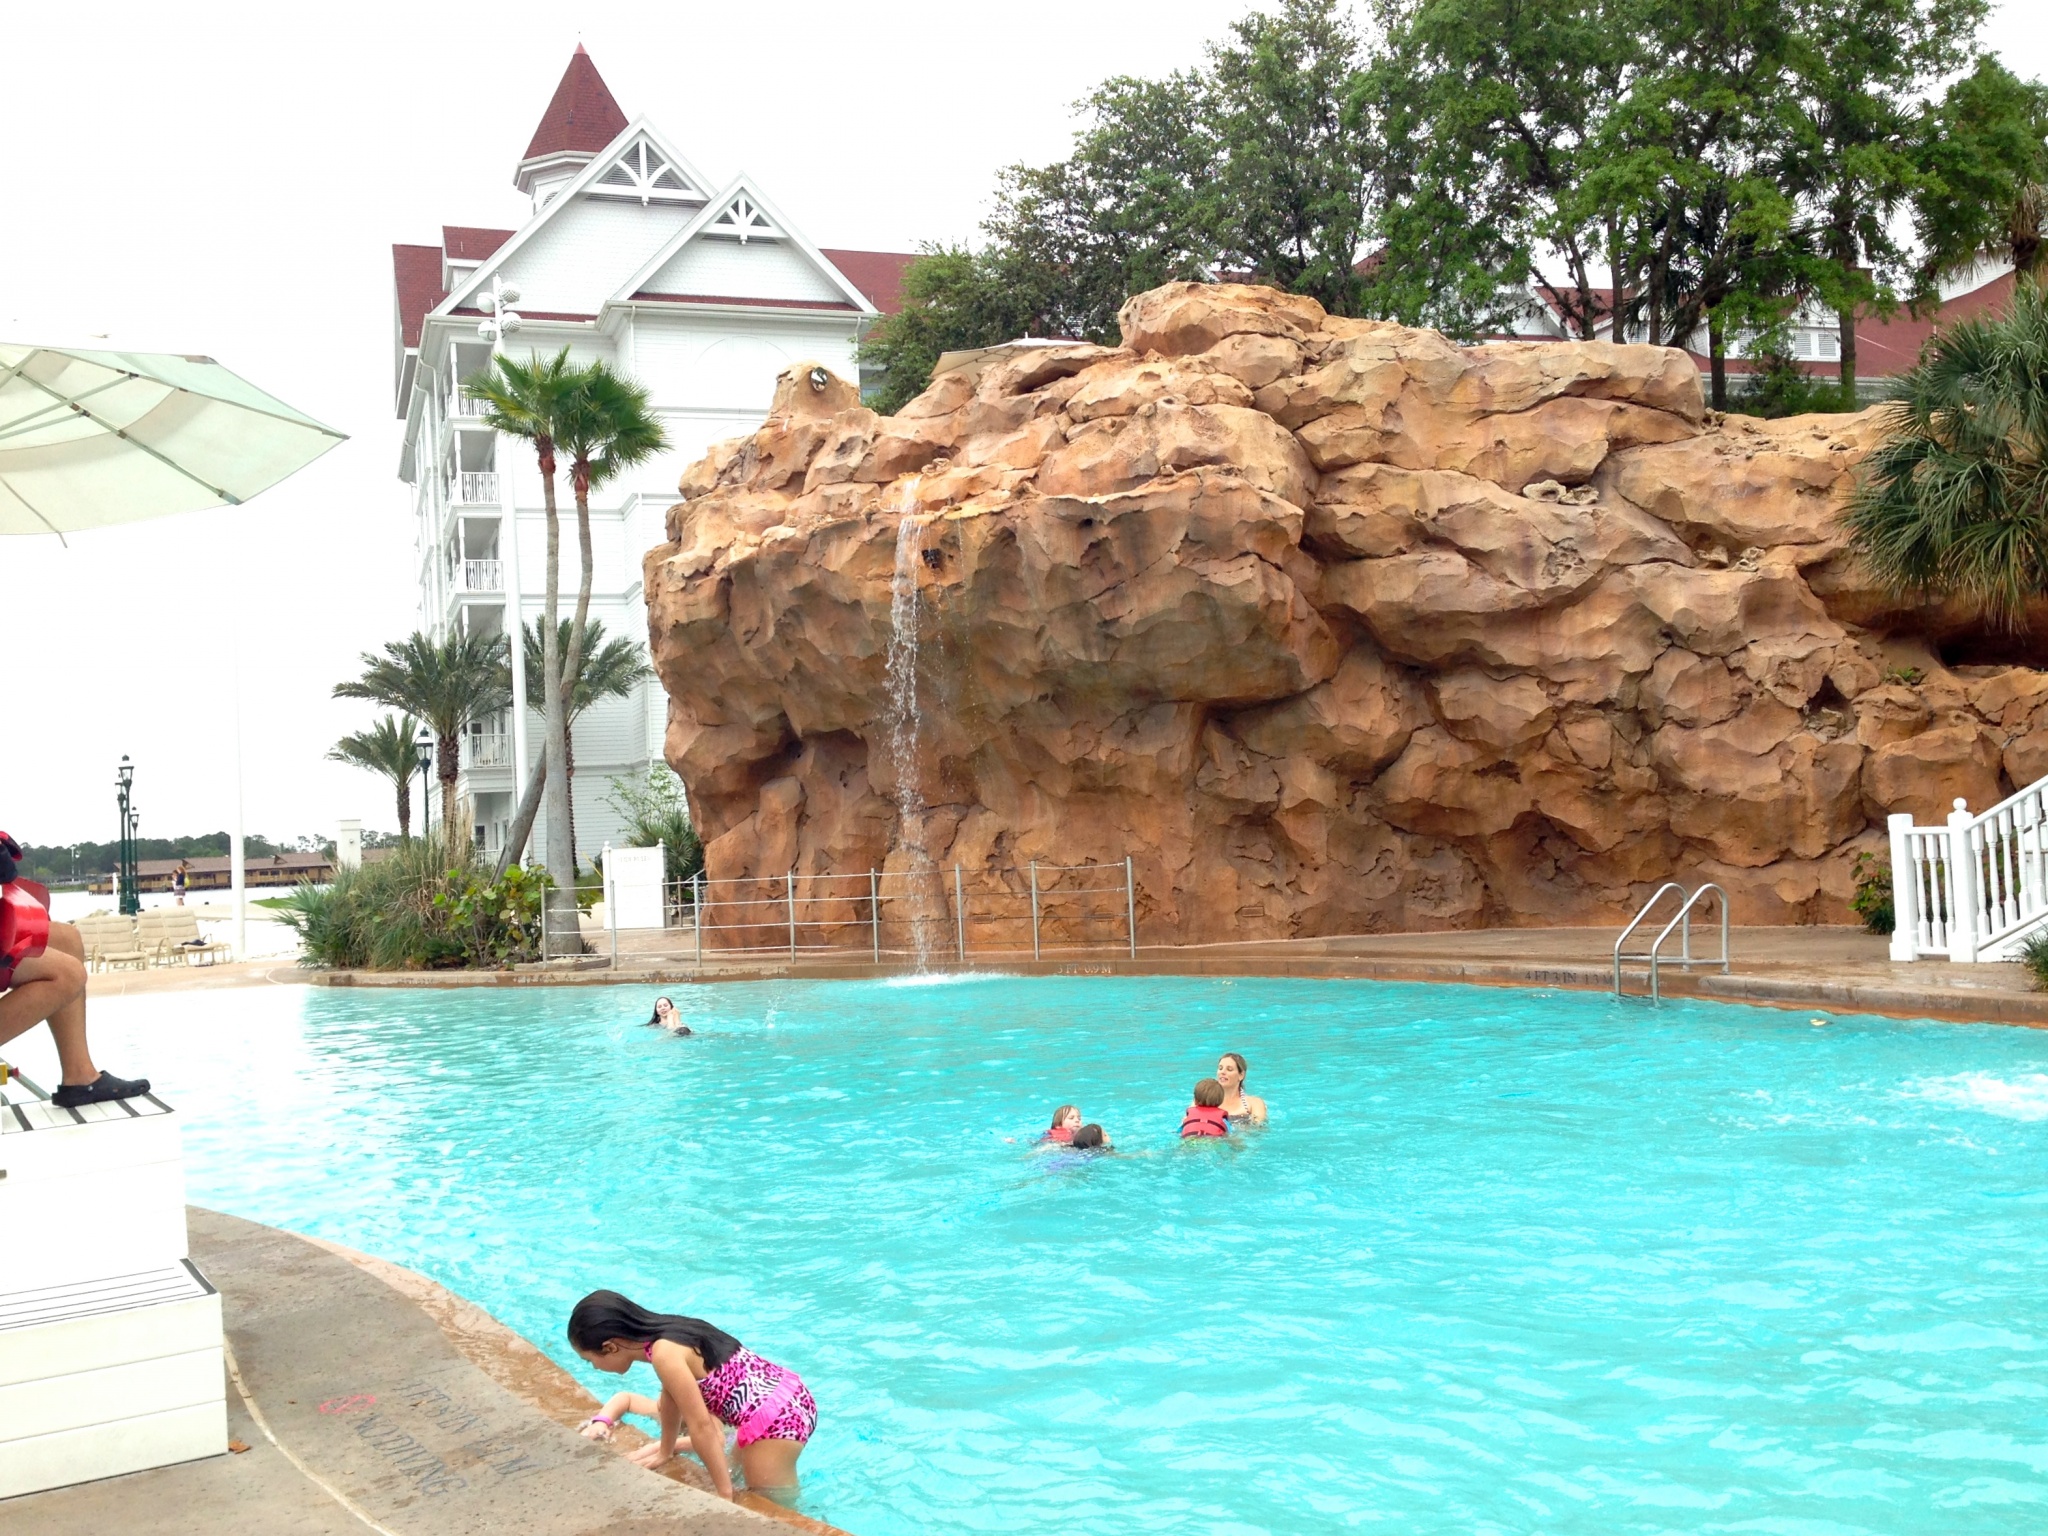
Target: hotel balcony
{"x": 487, "y": 749}
{"x": 482, "y": 576}
{"x": 475, "y": 488}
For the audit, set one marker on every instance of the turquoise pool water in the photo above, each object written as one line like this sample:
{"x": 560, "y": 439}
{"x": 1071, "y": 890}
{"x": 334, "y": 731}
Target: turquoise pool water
{"x": 1505, "y": 1260}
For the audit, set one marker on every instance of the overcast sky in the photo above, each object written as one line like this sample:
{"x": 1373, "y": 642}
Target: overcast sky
{"x": 229, "y": 180}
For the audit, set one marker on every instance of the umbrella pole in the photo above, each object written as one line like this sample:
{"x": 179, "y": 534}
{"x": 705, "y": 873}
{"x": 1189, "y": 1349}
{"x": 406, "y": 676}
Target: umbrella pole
{"x": 238, "y": 874}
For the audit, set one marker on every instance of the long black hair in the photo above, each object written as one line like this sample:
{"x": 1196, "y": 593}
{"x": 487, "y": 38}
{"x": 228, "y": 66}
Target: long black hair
{"x": 603, "y": 1316}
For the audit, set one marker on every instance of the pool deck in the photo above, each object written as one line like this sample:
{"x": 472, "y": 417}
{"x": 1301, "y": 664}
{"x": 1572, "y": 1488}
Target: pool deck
{"x": 1821, "y": 969}
{"x": 364, "y": 1397}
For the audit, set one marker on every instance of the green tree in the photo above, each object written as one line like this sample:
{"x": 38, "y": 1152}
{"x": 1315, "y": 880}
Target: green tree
{"x": 446, "y": 683}
{"x": 385, "y": 748}
{"x": 607, "y": 426}
{"x": 610, "y": 669}
{"x": 527, "y": 401}
{"x": 1954, "y": 500}
{"x": 1984, "y": 158}
{"x": 1862, "y": 69}
{"x": 1299, "y": 153}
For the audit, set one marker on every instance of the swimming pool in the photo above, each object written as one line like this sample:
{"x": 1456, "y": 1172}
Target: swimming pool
{"x": 1505, "y": 1261}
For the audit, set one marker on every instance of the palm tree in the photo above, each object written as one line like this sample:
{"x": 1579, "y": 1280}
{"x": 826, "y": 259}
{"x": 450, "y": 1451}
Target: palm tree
{"x": 386, "y": 748}
{"x": 446, "y": 683}
{"x": 527, "y": 400}
{"x": 609, "y": 670}
{"x": 608, "y": 426}
{"x": 1954, "y": 501}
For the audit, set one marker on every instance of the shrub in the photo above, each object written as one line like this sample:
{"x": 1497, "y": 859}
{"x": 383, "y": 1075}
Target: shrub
{"x": 656, "y": 811}
{"x": 2034, "y": 956}
{"x": 422, "y": 908}
{"x": 1873, "y": 899}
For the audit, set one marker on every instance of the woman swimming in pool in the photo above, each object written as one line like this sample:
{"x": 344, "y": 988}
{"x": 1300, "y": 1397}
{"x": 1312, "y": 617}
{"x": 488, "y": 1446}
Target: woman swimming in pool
{"x": 707, "y": 1378}
{"x": 666, "y": 1017}
{"x": 1239, "y": 1105}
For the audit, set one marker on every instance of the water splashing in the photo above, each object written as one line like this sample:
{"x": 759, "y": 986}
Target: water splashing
{"x": 905, "y": 606}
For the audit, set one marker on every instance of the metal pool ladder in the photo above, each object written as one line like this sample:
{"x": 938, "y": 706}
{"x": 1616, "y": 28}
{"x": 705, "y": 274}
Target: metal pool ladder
{"x": 1682, "y": 921}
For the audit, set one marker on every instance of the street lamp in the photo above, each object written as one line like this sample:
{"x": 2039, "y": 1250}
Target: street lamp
{"x": 124, "y": 856}
{"x": 423, "y": 749}
{"x": 503, "y": 322}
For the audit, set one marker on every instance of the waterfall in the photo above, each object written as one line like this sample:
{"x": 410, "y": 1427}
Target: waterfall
{"x": 905, "y": 604}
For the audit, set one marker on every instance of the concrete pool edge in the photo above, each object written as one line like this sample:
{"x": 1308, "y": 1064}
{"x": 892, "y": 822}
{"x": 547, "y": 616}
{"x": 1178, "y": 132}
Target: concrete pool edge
{"x": 515, "y": 1363}
{"x": 1947, "y": 1004}
{"x": 365, "y": 1397}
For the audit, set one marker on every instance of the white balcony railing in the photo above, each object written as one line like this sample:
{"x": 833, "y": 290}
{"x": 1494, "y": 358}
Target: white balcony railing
{"x": 483, "y": 575}
{"x": 477, "y": 486}
{"x": 460, "y": 404}
{"x": 489, "y": 749}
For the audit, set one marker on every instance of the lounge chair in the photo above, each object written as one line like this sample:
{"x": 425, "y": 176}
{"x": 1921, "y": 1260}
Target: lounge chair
{"x": 110, "y": 942}
{"x": 170, "y": 936}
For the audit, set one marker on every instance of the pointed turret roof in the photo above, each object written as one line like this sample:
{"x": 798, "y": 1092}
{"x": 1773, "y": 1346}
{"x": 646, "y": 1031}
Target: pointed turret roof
{"x": 582, "y": 118}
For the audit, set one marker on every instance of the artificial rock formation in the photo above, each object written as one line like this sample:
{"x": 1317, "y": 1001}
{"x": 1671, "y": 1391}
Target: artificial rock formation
{"x": 1333, "y": 625}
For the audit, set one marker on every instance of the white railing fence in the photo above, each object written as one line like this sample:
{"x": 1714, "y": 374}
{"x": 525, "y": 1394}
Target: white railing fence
{"x": 483, "y": 576}
{"x": 1974, "y": 889}
{"x": 478, "y": 486}
{"x": 486, "y": 749}
{"x": 940, "y": 917}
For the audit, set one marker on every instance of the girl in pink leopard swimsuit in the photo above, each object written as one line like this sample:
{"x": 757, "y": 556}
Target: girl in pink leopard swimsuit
{"x": 707, "y": 1378}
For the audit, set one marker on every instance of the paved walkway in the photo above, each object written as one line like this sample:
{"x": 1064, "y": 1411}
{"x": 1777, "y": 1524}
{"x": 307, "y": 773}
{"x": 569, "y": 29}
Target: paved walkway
{"x": 370, "y": 1400}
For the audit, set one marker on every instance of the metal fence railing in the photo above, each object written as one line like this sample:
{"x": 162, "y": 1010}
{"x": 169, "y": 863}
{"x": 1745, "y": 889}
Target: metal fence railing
{"x": 929, "y": 916}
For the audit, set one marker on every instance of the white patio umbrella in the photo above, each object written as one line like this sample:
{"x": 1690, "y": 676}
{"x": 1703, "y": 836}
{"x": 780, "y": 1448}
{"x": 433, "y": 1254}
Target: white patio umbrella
{"x": 89, "y": 439}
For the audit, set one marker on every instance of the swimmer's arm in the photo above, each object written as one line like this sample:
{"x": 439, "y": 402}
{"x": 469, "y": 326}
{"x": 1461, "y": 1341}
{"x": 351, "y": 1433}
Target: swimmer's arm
{"x": 683, "y": 1410}
{"x": 621, "y": 1404}
{"x": 1257, "y": 1106}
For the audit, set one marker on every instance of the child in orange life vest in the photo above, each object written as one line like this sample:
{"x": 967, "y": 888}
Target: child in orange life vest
{"x": 1065, "y": 1121}
{"x": 1205, "y": 1116}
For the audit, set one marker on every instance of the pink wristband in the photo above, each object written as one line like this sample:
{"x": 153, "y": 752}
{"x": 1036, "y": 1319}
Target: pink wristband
{"x": 598, "y": 1418}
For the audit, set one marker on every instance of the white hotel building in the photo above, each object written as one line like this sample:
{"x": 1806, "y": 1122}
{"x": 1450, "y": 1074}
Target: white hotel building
{"x": 702, "y": 293}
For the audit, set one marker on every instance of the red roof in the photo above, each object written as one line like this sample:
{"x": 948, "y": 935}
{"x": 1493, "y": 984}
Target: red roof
{"x": 466, "y": 244}
{"x": 1888, "y": 347}
{"x": 878, "y": 274}
{"x": 416, "y": 270}
{"x": 582, "y": 118}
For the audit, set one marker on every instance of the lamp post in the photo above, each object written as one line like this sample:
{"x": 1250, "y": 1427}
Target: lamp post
{"x": 124, "y": 855}
{"x": 502, "y": 322}
{"x": 423, "y": 749}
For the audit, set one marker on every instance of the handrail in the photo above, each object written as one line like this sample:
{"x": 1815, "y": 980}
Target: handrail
{"x": 1637, "y": 922}
{"x": 1685, "y": 917}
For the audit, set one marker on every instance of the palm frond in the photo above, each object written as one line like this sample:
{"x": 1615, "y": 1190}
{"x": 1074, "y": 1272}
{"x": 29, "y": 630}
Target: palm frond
{"x": 1954, "y": 500}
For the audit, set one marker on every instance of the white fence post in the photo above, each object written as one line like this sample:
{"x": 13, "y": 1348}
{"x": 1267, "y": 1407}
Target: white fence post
{"x": 697, "y": 914}
{"x": 875, "y": 911}
{"x": 611, "y": 906}
{"x": 1131, "y": 905}
{"x": 960, "y": 914}
{"x": 1034, "y": 909}
{"x": 792, "y": 914}
{"x": 1905, "y": 890}
{"x": 1962, "y": 873}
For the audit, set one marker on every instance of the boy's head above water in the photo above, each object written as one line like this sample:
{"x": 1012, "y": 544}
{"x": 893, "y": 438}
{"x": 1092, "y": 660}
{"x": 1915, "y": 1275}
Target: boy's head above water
{"x": 1209, "y": 1093}
{"x": 1089, "y": 1137}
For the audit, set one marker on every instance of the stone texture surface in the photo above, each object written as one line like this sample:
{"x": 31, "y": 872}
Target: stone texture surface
{"x": 1332, "y": 625}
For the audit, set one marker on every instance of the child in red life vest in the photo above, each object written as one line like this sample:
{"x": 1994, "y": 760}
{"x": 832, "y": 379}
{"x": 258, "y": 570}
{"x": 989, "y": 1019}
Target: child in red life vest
{"x": 1065, "y": 1121}
{"x": 1205, "y": 1116}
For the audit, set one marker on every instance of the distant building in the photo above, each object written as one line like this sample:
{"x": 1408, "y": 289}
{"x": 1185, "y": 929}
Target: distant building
{"x": 1886, "y": 346}
{"x": 701, "y": 292}
{"x": 211, "y": 874}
